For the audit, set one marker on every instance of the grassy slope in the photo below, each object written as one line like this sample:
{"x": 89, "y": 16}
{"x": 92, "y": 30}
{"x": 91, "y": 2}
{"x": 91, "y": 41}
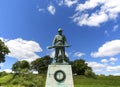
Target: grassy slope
{"x": 79, "y": 81}
{"x": 6, "y": 79}
{"x": 108, "y": 81}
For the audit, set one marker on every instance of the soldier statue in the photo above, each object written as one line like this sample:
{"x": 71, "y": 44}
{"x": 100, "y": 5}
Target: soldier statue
{"x": 59, "y": 43}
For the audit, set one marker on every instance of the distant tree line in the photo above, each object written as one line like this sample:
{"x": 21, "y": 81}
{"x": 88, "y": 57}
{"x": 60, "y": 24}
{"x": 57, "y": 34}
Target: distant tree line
{"x": 79, "y": 67}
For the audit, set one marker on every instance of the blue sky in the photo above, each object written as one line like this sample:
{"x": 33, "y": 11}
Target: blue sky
{"x": 91, "y": 27}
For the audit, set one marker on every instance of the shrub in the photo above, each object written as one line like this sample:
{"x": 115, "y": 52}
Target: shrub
{"x": 27, "y": 83}
{"x": 3, "y": 74}
{"x": 89, "y": 73}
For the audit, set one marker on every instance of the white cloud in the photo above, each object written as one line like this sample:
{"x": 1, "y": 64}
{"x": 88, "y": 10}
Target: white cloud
{"x": 113, "y": 68}
{"x": 97, "y": 67}
{"x": 116, "y": 74}
{"x": 109, "y": 10}
{"x": 52, "y": 54}
{"x": 113, "y": 60}
{"x": 104, "y": 61}
{"x": 1, "y": 38}
{"x": 68, "y": 3}
{"x": 94, "y": 20}
{"x": 110, "y": 48}
{"x": 115, "y": 28}
{"x": 23, "y": 49}
{"x": 7, "y": 71}
{"x": 51, "y": 9}
{"x": 79, "y": 54}
{"x": 89, "y": 4}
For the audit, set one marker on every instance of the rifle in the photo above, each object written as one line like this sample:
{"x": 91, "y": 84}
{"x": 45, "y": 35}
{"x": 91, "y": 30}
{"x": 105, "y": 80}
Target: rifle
{"x": 50, "y": 47}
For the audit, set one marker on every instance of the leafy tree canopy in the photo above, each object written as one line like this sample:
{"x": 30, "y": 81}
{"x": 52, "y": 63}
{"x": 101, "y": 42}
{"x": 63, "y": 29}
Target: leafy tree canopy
{"x": 20, "y": 65}
{"x": 3, "y": 51}
{"x": 41, "y": 64}
{"x": 80, "y": 67}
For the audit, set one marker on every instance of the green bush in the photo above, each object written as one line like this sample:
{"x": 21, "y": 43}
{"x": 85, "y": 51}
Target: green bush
{"x": 89, "y": 73}
{"x": 28, "y": 84}
{"x": 3, "y": 74}
{"x": 29, "y": 80}
{"x": 14, "y": 82}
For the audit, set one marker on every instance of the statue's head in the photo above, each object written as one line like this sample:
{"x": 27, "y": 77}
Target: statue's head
{"x": 60, "y": 30}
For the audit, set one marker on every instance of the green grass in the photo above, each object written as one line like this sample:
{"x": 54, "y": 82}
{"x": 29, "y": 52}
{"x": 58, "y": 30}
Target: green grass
{"x": 95, "y": 86}
{"x": 106, "y": 81}
{"x": 27, "y": 80}
{"x": 6, "y": 79}
{"x": 9, "y": 85}
{"x": 31, "y": 80}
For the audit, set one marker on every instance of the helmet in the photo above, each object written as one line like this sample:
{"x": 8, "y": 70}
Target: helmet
{"x": 60, "y": 30}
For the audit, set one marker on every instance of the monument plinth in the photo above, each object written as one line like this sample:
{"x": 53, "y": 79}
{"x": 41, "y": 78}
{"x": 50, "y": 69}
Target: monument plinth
{"x": 59, "y": 73}
{"x": 59, "y": 76}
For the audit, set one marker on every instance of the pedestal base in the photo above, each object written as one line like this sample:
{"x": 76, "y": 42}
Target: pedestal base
{"x": 59, "y": 76}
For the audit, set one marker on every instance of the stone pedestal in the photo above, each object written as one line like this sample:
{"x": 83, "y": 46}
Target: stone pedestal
{"x": 59, "y": 76}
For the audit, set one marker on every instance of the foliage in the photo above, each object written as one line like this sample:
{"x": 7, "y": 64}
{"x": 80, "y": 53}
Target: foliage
{"x": 3, "y": 51}
{"x": 21, "y": 66}
{"x": 41, "y": 64}
{"x": 79, "y": 67}
{"x": 6, "y": 78}
{"x": 89, "y": 73}
{"x": 3, "y": 73}
{"x": 28, "y": 80}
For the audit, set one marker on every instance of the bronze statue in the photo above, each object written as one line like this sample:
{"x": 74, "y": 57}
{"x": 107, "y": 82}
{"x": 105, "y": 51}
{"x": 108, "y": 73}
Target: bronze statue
{"x": 59, "y": 43}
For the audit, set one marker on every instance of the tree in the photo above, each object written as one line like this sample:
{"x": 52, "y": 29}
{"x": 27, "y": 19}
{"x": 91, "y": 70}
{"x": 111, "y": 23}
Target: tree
{"x": 41, "y": 64}
{"x": 89, "y": 72}
{"x": 3, "y": 51}
{"x": 81, "y": 68}
{"x": 21, "y": 66}
{"x": 3, "y": 73}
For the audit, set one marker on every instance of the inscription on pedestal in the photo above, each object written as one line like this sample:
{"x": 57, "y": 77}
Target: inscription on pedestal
{"x": 59, "y": 76}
